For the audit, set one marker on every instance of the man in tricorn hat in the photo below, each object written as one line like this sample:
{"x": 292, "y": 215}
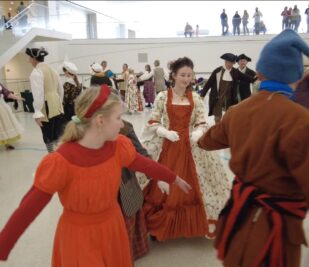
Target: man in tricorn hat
{"x": 244, "y": 86}
{"x": 47, "y": 91}
{"x": 262, "y": 223}
{"x": 223, "y": 83}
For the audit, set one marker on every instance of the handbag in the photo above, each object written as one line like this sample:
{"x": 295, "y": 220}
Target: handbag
{"x": 130, "y": 194}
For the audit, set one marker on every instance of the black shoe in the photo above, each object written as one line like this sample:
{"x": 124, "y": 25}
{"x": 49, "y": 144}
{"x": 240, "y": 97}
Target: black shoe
{"x": 153, "y": 238}
{"x": 148, "y": 106}
{"x": 9, "y": 147}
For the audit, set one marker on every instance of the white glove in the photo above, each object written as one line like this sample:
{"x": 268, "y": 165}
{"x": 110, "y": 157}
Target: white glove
{"x": 196, "y": 134}
{"x": 164, "y": 187}
{"x": 170, "y": 135}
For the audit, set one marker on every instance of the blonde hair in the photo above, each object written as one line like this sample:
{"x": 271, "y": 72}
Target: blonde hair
{"x": 76, "y": 131}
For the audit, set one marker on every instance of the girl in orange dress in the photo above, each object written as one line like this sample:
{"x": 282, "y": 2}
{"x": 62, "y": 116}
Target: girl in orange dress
{"x": 170, "y": 136}
{"x": 85, "y": 171}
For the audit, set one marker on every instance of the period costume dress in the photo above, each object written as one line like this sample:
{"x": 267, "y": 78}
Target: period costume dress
{"x": 91, "y": 229}
{"x": 268, "y": 137}
{"x": 71, "y": 91}
{"x": 149, "y": 89}
{"x": 10, "y": 128}
{"x": 178, "y": 215}
{"x": 133, "y": 97}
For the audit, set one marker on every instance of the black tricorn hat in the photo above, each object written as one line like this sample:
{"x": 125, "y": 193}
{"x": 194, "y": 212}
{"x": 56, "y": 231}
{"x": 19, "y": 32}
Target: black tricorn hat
{"x": 229, "y": 57}
{"x": 243, "y": 56}
{"x": 37, "y": 53}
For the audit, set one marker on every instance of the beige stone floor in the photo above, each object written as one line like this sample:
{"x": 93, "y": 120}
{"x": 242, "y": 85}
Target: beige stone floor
{"x": 34, "y": 247}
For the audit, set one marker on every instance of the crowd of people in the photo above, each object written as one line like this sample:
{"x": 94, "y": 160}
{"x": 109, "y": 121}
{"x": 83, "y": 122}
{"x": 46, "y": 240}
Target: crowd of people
{"x": 237, "y": 20}
{"x": 118, "y": 191}
{"x": 291, "y": 18}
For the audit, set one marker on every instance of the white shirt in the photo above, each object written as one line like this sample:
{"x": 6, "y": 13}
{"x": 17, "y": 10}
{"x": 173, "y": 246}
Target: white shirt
{"x": 37, "y": 88}
{"x": 146, "y": 76}
{"x": 227, "y": 75}
{"x": 257, "y": 16}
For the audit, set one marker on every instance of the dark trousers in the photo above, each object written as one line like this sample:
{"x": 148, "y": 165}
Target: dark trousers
{"x": 53, "y": 129}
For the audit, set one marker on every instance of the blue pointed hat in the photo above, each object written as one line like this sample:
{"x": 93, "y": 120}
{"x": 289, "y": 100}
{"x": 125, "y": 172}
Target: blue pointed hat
{"x": 281, "y": 59}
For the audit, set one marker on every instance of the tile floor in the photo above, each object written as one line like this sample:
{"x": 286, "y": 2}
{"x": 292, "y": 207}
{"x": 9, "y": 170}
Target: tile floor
{"x": 34, "y": 247}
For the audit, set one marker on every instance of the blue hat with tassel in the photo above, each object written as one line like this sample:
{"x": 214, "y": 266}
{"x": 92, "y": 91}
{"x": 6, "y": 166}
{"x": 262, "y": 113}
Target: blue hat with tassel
{"x": 281, "y": 59}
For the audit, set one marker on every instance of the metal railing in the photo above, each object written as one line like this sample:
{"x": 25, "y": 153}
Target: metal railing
{"x": 38, "y": 16}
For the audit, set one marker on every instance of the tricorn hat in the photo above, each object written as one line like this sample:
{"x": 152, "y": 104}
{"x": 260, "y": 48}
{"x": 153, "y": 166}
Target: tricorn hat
{"x": 37, "y": 53}
{"x": 229, "y": 57}
{"x": 243, "y": 56}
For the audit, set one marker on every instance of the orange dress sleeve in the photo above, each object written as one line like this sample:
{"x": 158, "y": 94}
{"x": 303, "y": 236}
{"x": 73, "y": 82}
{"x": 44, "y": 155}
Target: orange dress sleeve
{"x": 50, "y": 176}
{"x": 125, "y": 150}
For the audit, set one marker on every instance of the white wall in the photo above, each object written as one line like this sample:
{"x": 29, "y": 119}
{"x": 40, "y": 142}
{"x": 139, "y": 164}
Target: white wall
{"x": 205, "y": 52}
{"x": 18, "y": 68}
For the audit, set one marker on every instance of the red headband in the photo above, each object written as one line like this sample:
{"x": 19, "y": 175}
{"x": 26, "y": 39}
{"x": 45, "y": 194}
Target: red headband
{"x": 99, "y": 101}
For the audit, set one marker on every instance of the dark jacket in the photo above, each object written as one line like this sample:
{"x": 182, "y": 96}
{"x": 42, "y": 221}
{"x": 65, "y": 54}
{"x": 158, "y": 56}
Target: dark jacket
{"x": 97, "y": 80}
{"x": 244, "y": 86}
{"x": 212, "y": 84}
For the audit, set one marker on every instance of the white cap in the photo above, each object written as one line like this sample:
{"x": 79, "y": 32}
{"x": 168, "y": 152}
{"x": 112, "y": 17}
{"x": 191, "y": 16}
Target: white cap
{"x": 70, "y": 67}
{"x": 96, "y": 67}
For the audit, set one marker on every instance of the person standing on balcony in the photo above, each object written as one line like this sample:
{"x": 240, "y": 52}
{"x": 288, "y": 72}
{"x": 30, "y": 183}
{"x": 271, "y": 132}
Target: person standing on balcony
{"x": 47, "y": 93}
{"x": 257, "y": 20}
{"x": 245, "y": 18}
{"x": 8, "y": 25}
{"x": 236, "y": 23}
{"x": 23, "y": 17}
{"x": 224, "y": 23}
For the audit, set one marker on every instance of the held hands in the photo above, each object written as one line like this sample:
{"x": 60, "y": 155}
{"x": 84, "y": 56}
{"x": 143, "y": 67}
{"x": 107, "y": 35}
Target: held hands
{"x": 182, "y": 184}
{"x": 170, "y": 135}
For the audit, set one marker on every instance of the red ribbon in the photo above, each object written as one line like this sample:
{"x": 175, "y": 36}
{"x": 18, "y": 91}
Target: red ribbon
{"x": 99, "y": 101}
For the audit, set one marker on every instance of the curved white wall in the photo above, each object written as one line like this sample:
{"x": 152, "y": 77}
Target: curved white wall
{"x": 205, "y": 51}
